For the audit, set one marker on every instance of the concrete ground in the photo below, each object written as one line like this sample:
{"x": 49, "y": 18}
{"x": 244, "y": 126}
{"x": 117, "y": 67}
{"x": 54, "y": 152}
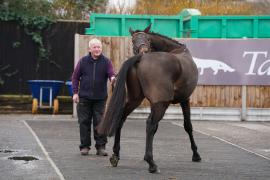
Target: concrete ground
{"x": 46, "y": 147}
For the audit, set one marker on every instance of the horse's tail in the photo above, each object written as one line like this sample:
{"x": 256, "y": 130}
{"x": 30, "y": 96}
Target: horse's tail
{"x": 114, "y": 110}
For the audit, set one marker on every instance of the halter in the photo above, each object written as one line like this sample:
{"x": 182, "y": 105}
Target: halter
{"x": 142, "y": 42}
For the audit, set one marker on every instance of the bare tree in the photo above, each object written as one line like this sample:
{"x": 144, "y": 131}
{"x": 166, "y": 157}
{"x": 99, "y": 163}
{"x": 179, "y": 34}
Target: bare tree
{"x": 207, "y": 7}
{"x": 78, "y": 9}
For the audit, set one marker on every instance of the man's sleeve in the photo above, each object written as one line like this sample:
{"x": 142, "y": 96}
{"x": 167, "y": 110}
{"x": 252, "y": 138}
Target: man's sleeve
{"x": 110, "y": 70}
{"x": 76, "y": 78}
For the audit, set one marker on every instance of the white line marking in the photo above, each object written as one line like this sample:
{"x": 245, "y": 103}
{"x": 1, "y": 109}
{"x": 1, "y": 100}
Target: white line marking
{"x": 223, "y": 140}
{"x": 58, "y": 172}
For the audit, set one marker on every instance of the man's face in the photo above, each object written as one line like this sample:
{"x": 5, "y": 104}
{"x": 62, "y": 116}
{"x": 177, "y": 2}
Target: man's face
{"x": 95, "y": 50}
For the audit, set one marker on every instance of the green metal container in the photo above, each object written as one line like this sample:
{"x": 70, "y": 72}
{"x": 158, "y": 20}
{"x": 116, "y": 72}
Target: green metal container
{"x": 226, "y": 27}
{"x": 119, "y": 24}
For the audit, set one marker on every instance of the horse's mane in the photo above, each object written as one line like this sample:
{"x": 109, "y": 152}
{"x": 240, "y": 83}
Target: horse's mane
{"x": 166, "y": 37}
{"x": 162, "y": 36}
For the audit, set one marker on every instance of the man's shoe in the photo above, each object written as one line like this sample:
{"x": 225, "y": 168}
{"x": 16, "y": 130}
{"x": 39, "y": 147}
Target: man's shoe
{"x": 101, "y": 152}
{"x": 84, "y": 151}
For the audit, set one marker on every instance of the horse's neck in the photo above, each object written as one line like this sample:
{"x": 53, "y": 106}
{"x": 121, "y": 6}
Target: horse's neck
{"x": 167, "y": 45}
{"x": 178, "y": 50}
{"x": 172, "y": 49}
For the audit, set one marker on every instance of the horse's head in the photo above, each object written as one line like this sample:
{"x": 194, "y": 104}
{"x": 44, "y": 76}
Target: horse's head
{"x": 146, "y": 41}
{"x": 141, "y": 40}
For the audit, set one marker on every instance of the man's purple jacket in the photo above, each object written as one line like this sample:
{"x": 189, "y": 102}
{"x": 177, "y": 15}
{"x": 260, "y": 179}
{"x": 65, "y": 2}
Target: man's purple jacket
{"x": 90, "y": 77}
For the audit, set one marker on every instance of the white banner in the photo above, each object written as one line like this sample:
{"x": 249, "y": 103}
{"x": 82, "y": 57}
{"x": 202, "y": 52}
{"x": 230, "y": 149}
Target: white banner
{"x": 231, "y": 61}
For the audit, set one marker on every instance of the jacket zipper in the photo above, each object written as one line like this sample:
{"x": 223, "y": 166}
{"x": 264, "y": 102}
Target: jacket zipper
{"x": 94, "y": 77}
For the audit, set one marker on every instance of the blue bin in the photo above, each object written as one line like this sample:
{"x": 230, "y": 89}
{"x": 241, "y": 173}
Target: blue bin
{"x": 69, "y": 85}
{"x": 44, "y": 87}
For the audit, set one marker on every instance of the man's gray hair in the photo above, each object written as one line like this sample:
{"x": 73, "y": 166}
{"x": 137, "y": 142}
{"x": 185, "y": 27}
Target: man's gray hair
{"x": 94, "y": 41}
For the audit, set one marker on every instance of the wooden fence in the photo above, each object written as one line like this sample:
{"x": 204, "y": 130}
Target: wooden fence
{"x": 118, "y": 49}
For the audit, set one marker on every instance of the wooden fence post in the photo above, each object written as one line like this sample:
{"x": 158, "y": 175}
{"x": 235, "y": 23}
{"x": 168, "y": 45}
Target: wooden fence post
{"x": 76, "y": 57}
{"x": 244, "y": 103}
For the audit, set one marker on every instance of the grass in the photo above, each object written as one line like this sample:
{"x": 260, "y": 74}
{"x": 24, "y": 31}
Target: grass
{"x": 16, "y": 104}
{"x": 14, "y": 97}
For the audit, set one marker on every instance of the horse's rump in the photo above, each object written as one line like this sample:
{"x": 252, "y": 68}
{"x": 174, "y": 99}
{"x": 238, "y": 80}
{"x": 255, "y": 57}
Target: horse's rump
{"x": 161, "y": 74}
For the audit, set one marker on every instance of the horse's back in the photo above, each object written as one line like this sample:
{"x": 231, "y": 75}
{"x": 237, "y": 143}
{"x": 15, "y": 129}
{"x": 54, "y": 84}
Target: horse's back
{"x": 162, "y": 75}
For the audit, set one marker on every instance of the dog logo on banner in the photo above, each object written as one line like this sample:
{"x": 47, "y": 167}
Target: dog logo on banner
{"x": 215, "y": 65}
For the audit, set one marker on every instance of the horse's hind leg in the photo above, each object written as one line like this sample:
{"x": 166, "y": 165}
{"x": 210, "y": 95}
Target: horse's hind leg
{"x": 188, "y": 128}
{"x": 129, "y": 107}
{"x": 157, "y": 112}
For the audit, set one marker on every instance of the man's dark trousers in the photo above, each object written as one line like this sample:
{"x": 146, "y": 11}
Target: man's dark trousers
{"x": 86, "y": 111}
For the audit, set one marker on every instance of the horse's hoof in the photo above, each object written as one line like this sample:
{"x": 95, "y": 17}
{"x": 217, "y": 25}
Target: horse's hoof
{"x": 196, "y": 158}
{"x": 114, "y": 160}
{"x": 154, "y": 169}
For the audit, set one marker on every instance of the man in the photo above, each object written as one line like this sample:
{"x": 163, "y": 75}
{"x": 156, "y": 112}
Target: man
{"x": 89, "y": 83}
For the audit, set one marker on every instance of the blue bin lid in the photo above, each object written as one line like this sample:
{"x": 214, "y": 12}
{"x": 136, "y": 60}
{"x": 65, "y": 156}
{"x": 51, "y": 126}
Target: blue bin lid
{"x": 41, "y": 81}
{"x": 68, "y": 83}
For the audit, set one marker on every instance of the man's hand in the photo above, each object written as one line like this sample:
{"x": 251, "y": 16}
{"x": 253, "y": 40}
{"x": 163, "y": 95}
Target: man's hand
{"x": 113, "y": 81}
{"x": 75, "y": 98}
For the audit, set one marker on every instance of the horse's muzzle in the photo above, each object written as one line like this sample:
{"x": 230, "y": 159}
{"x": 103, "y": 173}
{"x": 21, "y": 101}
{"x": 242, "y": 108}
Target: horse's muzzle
{"x": 143, "y": 50}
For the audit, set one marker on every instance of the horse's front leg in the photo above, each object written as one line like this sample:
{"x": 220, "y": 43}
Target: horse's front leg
{"x": 157, "y": 112}
{"x": 188, "y": 128}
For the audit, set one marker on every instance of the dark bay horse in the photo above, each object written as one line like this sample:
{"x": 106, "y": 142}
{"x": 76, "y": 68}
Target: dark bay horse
{"x": 162, "y": 71}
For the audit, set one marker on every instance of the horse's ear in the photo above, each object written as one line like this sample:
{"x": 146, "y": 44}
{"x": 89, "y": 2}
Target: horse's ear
{"x": 131, "y": 31}
{"x": 147, "y": 29}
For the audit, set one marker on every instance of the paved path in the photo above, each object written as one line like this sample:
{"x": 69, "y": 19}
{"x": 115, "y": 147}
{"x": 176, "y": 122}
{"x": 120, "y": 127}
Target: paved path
{"x": 229, "y": 150}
